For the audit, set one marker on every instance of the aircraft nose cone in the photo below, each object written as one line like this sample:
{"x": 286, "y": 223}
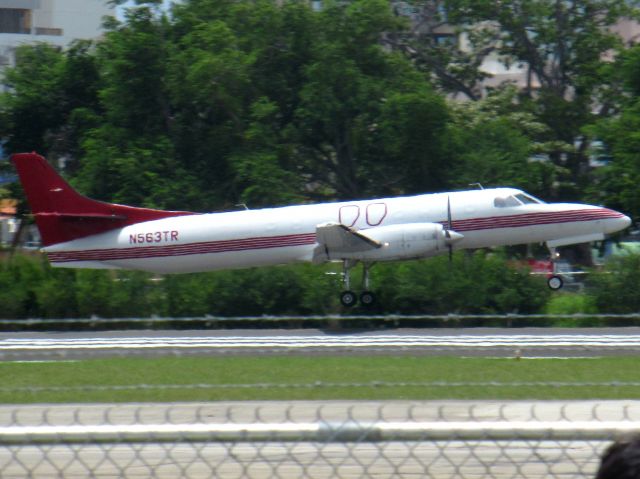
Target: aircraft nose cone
{"x": 617, "y": 223}
{"x": 625, "y": 221}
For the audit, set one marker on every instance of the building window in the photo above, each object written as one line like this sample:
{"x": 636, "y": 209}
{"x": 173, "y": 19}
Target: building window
{"x": 15, "y": 20}
{"x": 49, "y": 31}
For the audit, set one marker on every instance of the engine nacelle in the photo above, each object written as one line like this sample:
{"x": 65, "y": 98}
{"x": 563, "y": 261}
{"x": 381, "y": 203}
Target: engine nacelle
{"x": 405, "y": 241}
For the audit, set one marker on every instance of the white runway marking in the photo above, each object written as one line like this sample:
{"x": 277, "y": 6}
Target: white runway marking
{"x": 333, "y": 342}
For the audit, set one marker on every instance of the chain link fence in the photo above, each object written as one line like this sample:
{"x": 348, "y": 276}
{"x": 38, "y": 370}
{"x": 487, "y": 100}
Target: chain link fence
{"x": 453, "y": 439}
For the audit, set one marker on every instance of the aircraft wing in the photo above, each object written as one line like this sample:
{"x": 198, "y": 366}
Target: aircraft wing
{"x": 336, "y": 238}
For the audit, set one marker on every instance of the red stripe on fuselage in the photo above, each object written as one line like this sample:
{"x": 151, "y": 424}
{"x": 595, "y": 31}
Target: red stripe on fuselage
{"x": 266, "y": 242}
{"x": 532, "y": 219}
{"x": 185, "y": 249}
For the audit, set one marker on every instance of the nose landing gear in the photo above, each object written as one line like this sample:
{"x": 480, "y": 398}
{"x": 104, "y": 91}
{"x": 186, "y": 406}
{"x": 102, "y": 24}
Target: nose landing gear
{"x": 348, "y": 298}
{"x": 555, "y": 282}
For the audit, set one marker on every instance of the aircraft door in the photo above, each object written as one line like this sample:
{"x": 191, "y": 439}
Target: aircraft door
{"x": 376, "y": 212}
{"x": 348, "y": 215}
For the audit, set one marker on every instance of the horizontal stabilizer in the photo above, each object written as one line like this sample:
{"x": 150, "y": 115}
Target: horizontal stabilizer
{"x": 89, "y": 216}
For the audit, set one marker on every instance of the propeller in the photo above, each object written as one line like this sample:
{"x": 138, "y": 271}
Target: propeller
{"x": 450, "y": 235}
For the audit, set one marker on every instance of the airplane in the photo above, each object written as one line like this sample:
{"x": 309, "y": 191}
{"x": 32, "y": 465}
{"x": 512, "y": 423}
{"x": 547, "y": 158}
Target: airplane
{"x": 79, "y": 232}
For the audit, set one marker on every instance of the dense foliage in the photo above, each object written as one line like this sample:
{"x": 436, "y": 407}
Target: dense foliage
{"x": 266, "y": 102}
{"x": 473, "y": 284}
{"x": 263, "y": 102}
{"x": 476, "y": 284}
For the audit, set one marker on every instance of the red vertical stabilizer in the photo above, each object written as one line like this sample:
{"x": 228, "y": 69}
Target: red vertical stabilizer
{"x": 62, "y": 214}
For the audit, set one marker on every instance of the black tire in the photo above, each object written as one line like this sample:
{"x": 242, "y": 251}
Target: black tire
{"x": 367, "y": 298}
{"x": 348, "y": 298}
{"x": 555, "y": 283}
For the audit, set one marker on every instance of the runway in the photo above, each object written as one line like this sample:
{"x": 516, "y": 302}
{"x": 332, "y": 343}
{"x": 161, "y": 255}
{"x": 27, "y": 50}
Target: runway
{"x": 525, "y": 342}
{"x": 168, "y": 440}
{"x": 456, "y": 455}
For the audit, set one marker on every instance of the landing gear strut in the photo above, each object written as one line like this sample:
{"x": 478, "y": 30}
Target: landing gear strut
{"x": 555, "y": 281}
{"x": 367, "y": 298}
{"x": 348, "y": 298}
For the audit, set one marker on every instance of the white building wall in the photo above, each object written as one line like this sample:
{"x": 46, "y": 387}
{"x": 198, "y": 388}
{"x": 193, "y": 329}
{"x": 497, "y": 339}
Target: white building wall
{"x": 76, "y": 18}
{"x": 58, "y": 22}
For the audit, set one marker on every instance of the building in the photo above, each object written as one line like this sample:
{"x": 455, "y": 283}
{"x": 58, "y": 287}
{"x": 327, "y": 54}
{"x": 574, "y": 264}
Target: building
{"x": 53, "y": 21}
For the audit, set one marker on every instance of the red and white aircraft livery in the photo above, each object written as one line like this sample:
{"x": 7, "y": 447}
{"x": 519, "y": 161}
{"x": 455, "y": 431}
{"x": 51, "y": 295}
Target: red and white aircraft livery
{"x": 78, "y": 232}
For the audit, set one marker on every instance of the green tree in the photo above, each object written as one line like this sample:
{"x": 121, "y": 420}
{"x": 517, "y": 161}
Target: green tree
{"x": 210, "y": 81}
{"x": 499, "y": 144}
{"x": 130, "y": 156}
{"x": 433, "y": 44}
{"x": 564, "y": 49}
{"x": 18, "y": 277}
{"x": 111, "y": 294}
{"x": 356, "y": 96}
{"x": 291, "y": 100}
{"x": 50, "y": 100}
{"x": 615, "y": 291}
{"x": 259, "y": 102}
{"x": 477, "y": 283}
{"x": 616, "y": 183}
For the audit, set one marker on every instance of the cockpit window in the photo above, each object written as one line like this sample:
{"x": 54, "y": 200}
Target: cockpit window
{"x": 515, "y": 200}
{"x": 503, "y": 202}
{"x": 527, "y": 200}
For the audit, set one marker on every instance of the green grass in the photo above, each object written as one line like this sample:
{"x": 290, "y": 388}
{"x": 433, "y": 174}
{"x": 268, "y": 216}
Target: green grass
{"x": 290, "y": 378}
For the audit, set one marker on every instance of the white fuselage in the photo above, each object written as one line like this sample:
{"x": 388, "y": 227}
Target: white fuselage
{"x": 241, "y": 239}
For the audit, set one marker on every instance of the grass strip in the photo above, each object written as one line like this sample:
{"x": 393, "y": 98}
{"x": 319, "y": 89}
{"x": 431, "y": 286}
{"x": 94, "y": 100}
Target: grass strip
{"x": 298, "y": 378}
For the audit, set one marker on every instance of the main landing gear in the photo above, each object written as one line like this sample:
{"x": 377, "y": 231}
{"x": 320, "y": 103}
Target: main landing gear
{"x": 555, "y": 281}
{"x": 348, "y": 298}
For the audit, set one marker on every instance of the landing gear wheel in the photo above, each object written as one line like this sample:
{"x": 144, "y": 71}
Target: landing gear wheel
{"x": 367, "y": 298}
{"x": 348, "y": 298}
{"x": 555, "y": 282}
